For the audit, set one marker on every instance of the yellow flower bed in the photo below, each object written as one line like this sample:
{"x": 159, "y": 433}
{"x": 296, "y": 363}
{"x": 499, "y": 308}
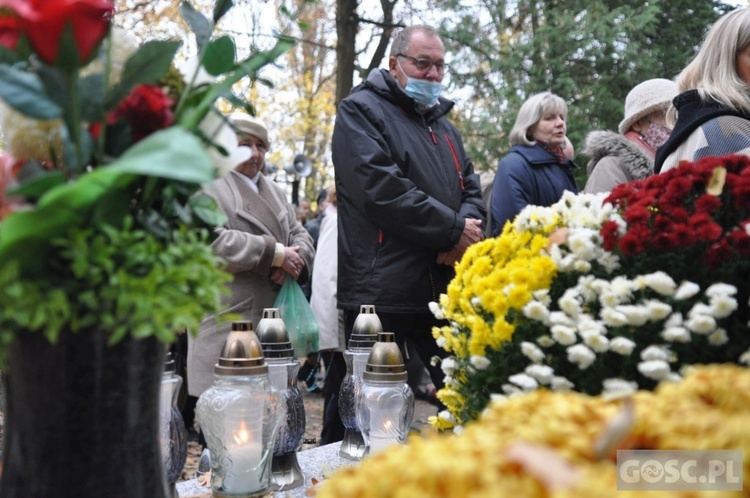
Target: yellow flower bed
{"x": 709, "y": 409}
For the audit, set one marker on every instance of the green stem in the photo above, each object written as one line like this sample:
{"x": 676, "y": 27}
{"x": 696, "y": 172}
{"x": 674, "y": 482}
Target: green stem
{"x": 101, "y": 141}
{"x": 73, "y": 117}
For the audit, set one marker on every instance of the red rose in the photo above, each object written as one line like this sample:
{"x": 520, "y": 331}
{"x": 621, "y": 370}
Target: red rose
{"x": 8, "y": 31}
{"x": 147, "y": 109}
{"x": 44, "y": 21}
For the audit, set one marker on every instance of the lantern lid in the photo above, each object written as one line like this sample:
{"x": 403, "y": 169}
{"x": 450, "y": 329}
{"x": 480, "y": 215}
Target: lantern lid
{"x": 169, "y": 364}
{"x": 273, "y": 335}
{"x": 385, "y": 363}
{"x": 242, "y": 354}
{"x": 366, "y": 328}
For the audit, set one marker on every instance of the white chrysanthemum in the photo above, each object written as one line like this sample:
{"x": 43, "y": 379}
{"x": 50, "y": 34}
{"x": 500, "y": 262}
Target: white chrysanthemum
{"x": 585, "y": 287}
{"x": 525, "y": 382}
{"x": 745, "y": 358}
{"x": 619, "y": 386}
{"x": 545, "y": 341}
{"x": 498, "y": 398}
{"x": 569, "y": 303}
{"x": 123, "y": 47}
{"x": 511, "y": 390}
{"x": 595, "y": 341}
{"x": 581, "y": 356}
{"x": 654, "y": 369}
{"x": 560, "y": 318}
{"x": 622, "y": 287}
{"x": 476, "y": 302}
{"x": 28, "y": 138}
{"x": 653, "y": 353}
{"x": 600, "y": 285}
{"x": 563, "y": 334}
{"x": 535, "y": 310}
{"x": 581, "y": 266}
{"x": 458, "y": 430}
{"x": 480, "y": 362}
{"x": 448, "y": 365}
{"x": 532, "y": 352}
{"x": 635, "y": 314}
{"x": 542, "y": 373}
{"x": 657, "y": 310}
{"x": 587, "y": 324}
{"x": 701, "y": 324}
{"x": 622, "y": 346}
{"x": 686, "y": 290}
{"x": 660, "y": 282}
{"x": 608, "y": 299}
{"x": 542, "y": 295}
{"x": 561, "y": 384}
{"x": 610, "y": 261}
{"x": 722, "y": 306}
{"x": 672, "y": 377}
{"x": 718, "y": 337}
{"x": 676, "y": 334}
{"x": 447, "y": 416}
{"x": 699, "y": 309}
{"x": 581, "y": 241}
{"x": 613, "y": 318}
{"x": 720, "y": 290}
{"x": 436, "y": 310}
{"x": 674, "y": 320}
{"x": 440, "y": 342}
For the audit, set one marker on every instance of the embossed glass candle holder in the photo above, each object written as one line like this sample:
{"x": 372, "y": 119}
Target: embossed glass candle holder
{"x": 282, "y": 371}
{"x": 240, "y": 415}
{"x": 364, "y": 334}
{"x": 385, "y": 402}
{"x": 173, "y": 436}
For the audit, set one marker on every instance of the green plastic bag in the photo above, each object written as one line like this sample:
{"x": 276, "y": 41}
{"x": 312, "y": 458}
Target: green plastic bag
{"x": 298, "y": 317}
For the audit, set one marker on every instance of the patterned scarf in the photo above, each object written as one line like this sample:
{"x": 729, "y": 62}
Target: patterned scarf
{"x": 555, "y": 150}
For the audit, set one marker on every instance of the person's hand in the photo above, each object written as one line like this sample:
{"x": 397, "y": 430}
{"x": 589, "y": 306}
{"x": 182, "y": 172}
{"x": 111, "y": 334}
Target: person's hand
{"x": 278, "y": 275}
{"x": 293, "y": 262}
{"x": 472, "y": 234}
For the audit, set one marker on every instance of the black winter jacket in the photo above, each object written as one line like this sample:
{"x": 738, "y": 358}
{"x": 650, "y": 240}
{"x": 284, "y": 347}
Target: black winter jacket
{"x": 404, "y": 185}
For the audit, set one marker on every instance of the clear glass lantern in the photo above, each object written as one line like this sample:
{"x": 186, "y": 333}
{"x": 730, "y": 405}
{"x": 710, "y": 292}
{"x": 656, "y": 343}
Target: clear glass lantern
{"x": 385, "y": 402}
{"x": 172, "y": 433}
{"x": 240, "y": 415}
{"x": 364, "y": 334}
{"x": 282, "y": 371}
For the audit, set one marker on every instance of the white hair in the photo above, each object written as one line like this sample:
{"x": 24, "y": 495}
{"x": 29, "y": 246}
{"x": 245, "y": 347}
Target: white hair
{"x": 531, "y": 112}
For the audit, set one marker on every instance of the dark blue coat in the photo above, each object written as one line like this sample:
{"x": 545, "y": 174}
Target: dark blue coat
{"x": 528, "y": 175}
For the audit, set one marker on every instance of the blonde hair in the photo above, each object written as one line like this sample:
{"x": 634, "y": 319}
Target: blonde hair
{"x": 531, "y": 112}
{"x": 713, "y": 70}
{"x": 332, "y": 198}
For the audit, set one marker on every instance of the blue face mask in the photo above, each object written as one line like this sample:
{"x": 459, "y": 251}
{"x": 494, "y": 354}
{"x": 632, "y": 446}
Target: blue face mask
{"x": 424, "y": 92}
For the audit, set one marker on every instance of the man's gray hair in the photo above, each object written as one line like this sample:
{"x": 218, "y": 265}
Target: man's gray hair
{"x": 401, "y": 40}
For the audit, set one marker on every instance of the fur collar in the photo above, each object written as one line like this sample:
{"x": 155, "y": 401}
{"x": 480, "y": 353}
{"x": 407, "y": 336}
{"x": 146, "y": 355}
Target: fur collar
{"x": 600, "y": 144}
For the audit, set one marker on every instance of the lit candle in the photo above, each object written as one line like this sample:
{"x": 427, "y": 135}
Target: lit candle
{"x": 384, "y": 428}
{"x": 242, "y": 470}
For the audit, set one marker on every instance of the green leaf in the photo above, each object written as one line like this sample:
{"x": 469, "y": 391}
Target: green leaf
{"x": 25, "y": 93}
{"x": 221, "y": 8}
{"x": 219, "y": 56}
{"x": 146, "y": 66}
{"x": 38, "y": 184}
{"x": 198, "y": 23}
{"x": 205, "y": 208}
{"x": 8, "y": 56}
{"x": 90, "y": 88}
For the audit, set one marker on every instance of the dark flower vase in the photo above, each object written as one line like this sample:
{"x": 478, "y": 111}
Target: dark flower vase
{"x": 82, "y": 418}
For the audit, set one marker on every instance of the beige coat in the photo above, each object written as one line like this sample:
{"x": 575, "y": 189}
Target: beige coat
{"x": 247, "y": 242}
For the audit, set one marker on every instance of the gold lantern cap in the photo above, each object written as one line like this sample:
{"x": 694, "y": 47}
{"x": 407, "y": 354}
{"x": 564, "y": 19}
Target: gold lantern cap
{"x": 273, "y": 335}
{"x": 366, "y": 328}
{"x": 385, "y": 363}
{"x": 242, "y": 353}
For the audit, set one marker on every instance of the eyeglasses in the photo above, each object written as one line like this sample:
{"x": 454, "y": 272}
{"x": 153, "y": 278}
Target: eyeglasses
{"x": 424, "y": 65}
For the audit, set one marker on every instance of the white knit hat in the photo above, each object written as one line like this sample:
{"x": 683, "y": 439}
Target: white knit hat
{"x": 645, "y": 98}
{"x": 246, "y": 123}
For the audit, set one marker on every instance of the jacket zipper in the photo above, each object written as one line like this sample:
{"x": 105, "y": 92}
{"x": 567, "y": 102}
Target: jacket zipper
{"x": 456, "y": 162}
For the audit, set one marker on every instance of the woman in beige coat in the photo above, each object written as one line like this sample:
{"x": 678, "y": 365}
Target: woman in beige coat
{"x": 261, "y": 242}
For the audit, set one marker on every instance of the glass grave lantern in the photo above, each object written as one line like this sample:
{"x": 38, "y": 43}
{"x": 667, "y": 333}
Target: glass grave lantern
{"x": 172, "y": 433}
{"x": 385, "y": 402}
{"x": 240, "y": 415}
{"x": 364, "y": 334}
{"x": 282, "y": 372}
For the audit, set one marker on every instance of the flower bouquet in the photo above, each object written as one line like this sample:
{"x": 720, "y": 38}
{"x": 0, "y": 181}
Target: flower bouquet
{"x": 104, "y": 235}
{"x": 603, "y": 295}
{"x": 553, "y": 445}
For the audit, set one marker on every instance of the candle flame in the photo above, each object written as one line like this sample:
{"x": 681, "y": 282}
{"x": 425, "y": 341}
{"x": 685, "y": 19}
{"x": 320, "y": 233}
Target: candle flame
{"x": 242, "y": 435}
{"x": 388, "y": 425}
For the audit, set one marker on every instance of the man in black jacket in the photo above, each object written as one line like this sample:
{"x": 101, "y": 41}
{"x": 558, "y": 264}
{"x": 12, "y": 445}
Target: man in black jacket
{"x": 409, "y": 201}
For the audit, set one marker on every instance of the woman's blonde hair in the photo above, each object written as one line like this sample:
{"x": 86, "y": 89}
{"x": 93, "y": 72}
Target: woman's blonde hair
{"x": 531, "y": 112}
{"x": 713, "y": 70}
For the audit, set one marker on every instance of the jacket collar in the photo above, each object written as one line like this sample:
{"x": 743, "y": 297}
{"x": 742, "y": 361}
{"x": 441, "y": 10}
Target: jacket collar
{"x": 536, "y": 155}
{"x": 600, "y": 144}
